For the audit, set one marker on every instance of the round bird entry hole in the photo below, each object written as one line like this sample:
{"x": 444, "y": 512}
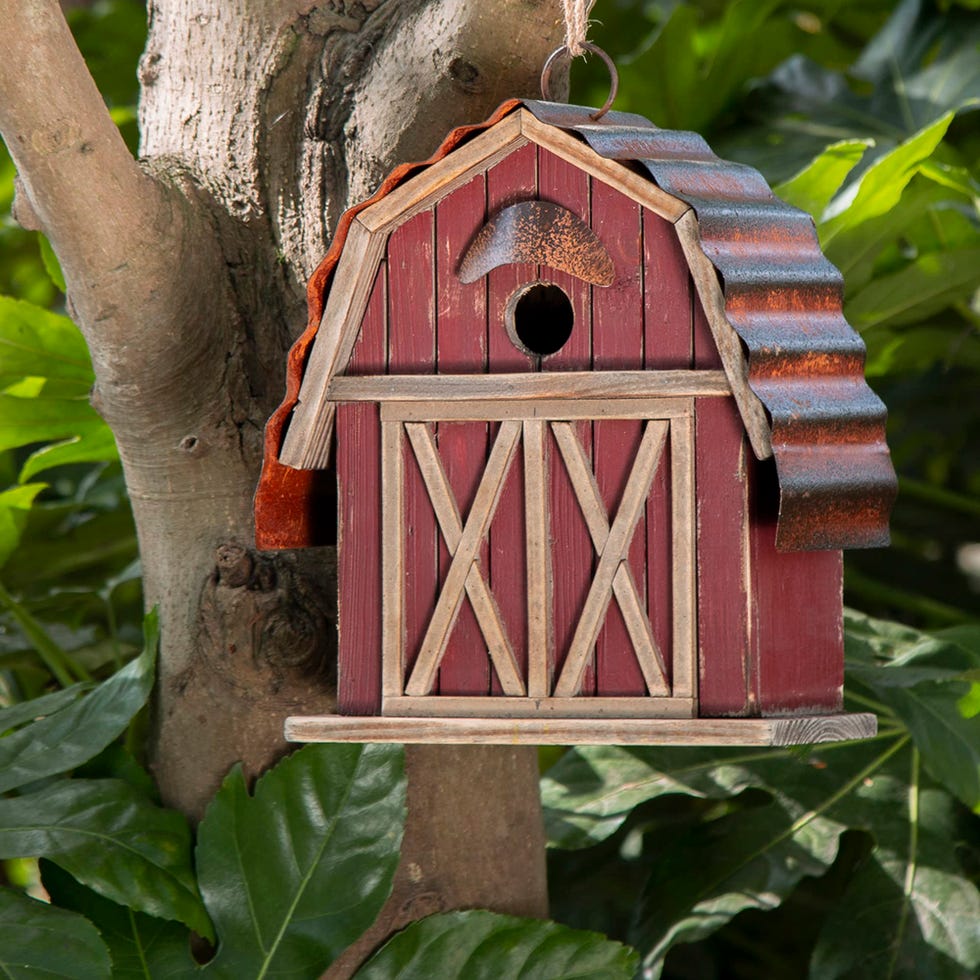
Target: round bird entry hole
{"x": 539, "y": 319}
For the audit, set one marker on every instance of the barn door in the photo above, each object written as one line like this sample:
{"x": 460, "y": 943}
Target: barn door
{"x": 531, "y": 446}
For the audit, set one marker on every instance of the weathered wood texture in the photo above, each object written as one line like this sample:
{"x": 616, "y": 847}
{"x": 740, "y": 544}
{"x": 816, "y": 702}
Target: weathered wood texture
{"x": 799, "y": 730}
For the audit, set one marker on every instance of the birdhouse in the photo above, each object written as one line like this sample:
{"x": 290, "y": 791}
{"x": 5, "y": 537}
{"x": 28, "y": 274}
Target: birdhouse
{"x": 599, "y": 432}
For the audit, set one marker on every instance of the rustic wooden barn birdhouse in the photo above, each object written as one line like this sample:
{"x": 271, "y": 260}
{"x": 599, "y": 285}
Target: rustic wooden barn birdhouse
{"x": 599, "y": 433}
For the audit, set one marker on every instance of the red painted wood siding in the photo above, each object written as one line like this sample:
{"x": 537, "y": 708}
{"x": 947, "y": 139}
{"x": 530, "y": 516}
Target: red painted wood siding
{"x": 461, "y": 348}
{"x": 617, "y": 344}
{"x": 359, "y": 525}
{"x": 797, "y": 612}
{"x": 412, "y": 350}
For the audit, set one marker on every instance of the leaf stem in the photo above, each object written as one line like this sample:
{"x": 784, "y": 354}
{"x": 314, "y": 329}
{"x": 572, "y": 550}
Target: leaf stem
{"x": 912, "y": 866}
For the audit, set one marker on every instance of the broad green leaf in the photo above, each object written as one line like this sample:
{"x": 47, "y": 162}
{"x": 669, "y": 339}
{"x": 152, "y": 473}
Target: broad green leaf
{"x": 96, "y": 445}
{"x": 37, "y": 708}
{"x": 64, "y": 548}
{"x": 925, "y": 286}
{"x": 486, "y": 946}
{"x": 51, "y": 264}
{"x": 14, "y": 504}
{"x": 880, "y": 187}
{"x": 110, "y": 837}
{"x": 142, "y": 947}
{"x": 73, "y": 735}
{"x": 294, "y": 874}
{"x": 38, "y": 941}
{"x": 40, "y": 344}
{"x": 28, "y": 420}
{"x": 910, "y": 912}
{"x": 813, "y": 187}
{"x": 924, "y": 683}
{"x": 857, "y": 251}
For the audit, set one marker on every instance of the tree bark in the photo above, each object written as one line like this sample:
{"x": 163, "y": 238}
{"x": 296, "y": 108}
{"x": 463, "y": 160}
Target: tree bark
{"x": 261, "y": 121}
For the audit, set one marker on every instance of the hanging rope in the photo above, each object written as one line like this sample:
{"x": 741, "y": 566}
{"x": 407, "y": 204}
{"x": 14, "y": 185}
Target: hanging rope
{"x": 576, "y": 25}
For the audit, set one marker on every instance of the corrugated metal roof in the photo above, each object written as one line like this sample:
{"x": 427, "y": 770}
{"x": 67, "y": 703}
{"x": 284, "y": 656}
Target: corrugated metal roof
{"x": 782, "y": 297}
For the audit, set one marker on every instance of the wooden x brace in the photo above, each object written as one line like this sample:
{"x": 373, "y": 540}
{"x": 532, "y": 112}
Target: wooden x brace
{"x": 464, "y": 571}
{"x": 613, "y": 576}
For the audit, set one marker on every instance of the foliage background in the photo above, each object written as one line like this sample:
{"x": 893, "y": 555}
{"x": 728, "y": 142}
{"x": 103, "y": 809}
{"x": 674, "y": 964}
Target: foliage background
{"x": 858, "y": 860}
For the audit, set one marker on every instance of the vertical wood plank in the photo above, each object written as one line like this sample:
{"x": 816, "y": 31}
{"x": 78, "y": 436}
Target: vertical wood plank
{"x": 725, "y": 685}
{"x": 513, "y": 179}
{"x": 411, "y": 350}
{"x": 668, "y": 329}
{"x": 684, "y": 578}
{"x": 461, "y": 348}
{"x": 573, "y": 561}
{"x": 797, "y": 612}
{"x": 563, "y": 183}
{"x": 617, "y": 343}
{"x": 539, "y": 641}
{"x": 392, "y": 558}
{"x": 359, "y": 647}
{"x": 705, "y": 350}
{"x": 668, "y": 295}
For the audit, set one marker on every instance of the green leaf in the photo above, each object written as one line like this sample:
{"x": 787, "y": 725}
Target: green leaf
{"x": 111, "y": 838}
{"x": 909, "y": 913}
{"x": 96, "y": 444}
{"x": 922, "y": 288}
{"x": 48, "y": 704}
{"x": 73, "y": 735}
{"x": 14, "y": 504}
{"x": 880, "y": 187}
{"x": 925, "y": 683}
{"x": 293, "y": 875}
{"x": 51, "y": 264}
{"x": 37, "y": 343}
{"x": 142, "y": 947}
{"x": 486, "y": 946}
{"x": 37, "y": 940}
{"x": 27, "y": 420}
{"x": 813, "y": 187}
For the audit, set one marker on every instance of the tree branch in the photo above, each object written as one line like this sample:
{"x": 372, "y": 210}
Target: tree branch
{"x": 80, "y": 178}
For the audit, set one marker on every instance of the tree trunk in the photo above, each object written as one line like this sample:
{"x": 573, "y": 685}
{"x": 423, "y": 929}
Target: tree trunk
{"x": 261, "y": 121}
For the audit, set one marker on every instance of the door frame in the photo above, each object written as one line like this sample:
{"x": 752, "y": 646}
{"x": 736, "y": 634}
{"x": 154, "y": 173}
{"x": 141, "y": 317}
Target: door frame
{"x": 405, "y": 423}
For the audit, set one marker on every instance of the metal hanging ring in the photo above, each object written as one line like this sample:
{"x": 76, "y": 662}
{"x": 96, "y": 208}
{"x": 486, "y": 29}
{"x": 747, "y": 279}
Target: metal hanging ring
{"x": 558, "y": 53}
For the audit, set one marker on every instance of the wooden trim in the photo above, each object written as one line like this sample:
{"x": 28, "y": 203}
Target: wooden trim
{"x": 565, "y": 384}
{"x": 729, "y": 345}
{"x": 442, "y": 177}
{"x": 593, "y": 509}
{"x": 441, "y": 706}
{"x": 612, "y": 557}
{"x": 392, "y": 560}
{"x": 495, "y": 411}
{"x": 803, "y": 730}
{"x": 539, "y": 586}
{"x": 307, "y": 442}
{"x": 682, "y": 547}
{"x": 477, "y": 524}
{"x": 447, "y": 514}
{"x": 575, "y": 151}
